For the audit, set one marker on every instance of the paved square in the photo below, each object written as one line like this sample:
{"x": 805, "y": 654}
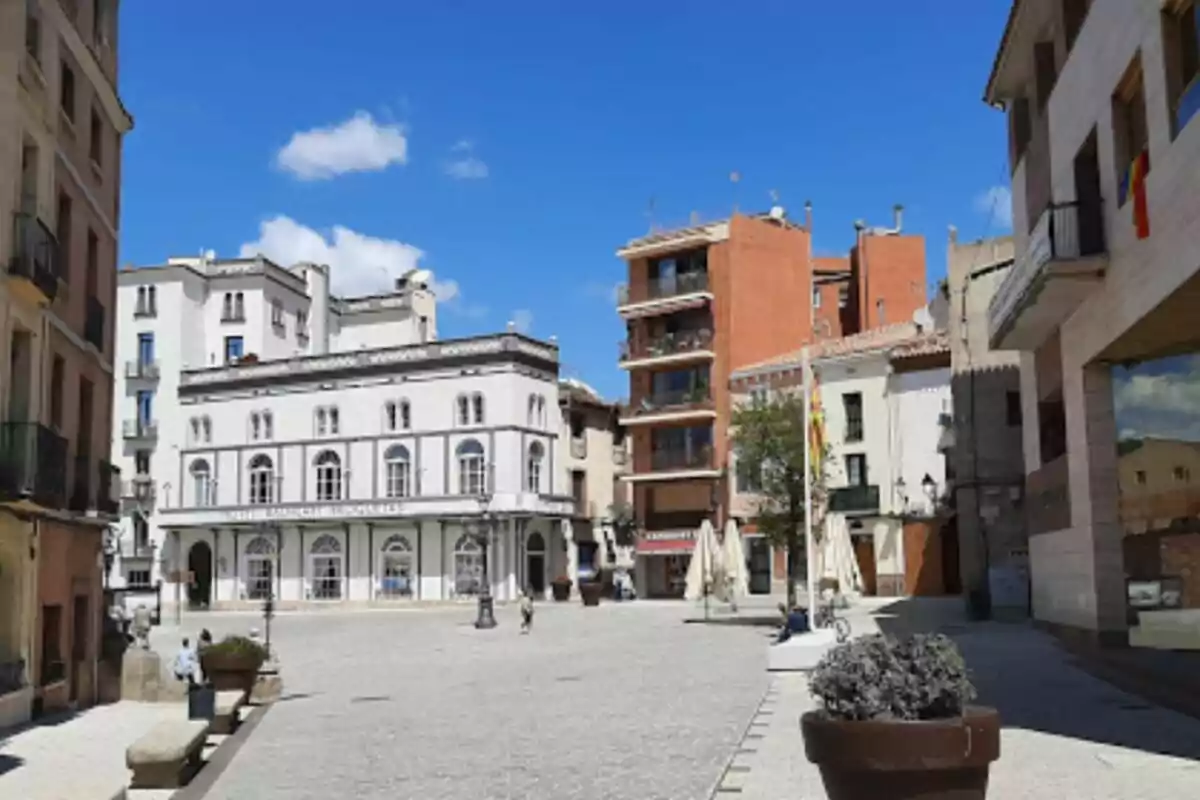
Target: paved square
{"x": 614, "y": 702}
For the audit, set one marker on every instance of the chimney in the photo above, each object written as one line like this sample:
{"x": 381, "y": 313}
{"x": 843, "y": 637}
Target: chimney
{"x": 808, "y": 215}
{"x": 898, "y": 213}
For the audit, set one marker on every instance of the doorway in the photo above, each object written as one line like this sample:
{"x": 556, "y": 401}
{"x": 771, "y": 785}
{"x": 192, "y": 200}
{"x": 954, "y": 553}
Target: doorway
{"x": 200, "y": 573}
{"x": 1087, "y": 195}
{"x": 79, "y": 644}
{"x": 864, "y": 554}
{"x": 760, "y": 565}
{"x": 535, "y": 564}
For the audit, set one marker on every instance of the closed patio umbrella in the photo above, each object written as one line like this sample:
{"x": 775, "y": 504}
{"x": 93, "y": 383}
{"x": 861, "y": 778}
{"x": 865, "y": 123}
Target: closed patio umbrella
{"x": 705, "y": 570}
{"x": 737, "y": 577}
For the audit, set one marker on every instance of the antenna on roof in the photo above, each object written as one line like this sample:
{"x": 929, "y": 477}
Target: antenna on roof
{"x": 735, "y": 178}
{"x": 650, "y": 213}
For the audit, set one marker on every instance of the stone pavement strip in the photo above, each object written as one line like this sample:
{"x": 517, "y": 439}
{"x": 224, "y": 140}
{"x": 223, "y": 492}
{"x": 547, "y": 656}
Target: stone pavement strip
{"x": 77, "y": 757}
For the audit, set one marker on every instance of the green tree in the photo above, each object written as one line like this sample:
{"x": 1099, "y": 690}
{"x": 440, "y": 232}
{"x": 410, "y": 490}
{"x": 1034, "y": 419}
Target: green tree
{"x": 769, "y": 439}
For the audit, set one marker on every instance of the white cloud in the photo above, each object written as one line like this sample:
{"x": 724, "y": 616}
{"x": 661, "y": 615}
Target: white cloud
{"x": 522, "y": 319}
{"x": 996, "y": 204}
{"x": 463, "y": 164}
{"x": 1158, "y": 402}
{"x": 603, "y": 291}
{"x": 358, "y": 264}
{"x": 359, "y": 144}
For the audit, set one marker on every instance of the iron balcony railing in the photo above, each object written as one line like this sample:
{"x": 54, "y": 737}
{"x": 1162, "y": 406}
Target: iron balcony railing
{"x": 699, "y": 457}
{"x": 663, "y": 287}
{"x": 33, "y": 464}
{"x": 93, "y": 323}
{"x": 1065, "y": 231}
{"x": 854, "y": 499}
{"x": 660, "y": 400}
{"x": 141, "y": 370}
{"x": 666, "y": 344}
{"x": 35, "y": 254}
{"x": 139, "y": 429}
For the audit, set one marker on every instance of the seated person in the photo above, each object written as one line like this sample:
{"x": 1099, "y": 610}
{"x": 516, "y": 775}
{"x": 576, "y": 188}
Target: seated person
{"x": 794, "y": 621}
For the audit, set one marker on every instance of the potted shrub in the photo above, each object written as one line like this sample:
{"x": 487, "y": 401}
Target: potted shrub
{"x": 560, "y": 588}
{"x": 233, "y": 663}
{"x": 895, "y": 722}
{"x": 590, "y": 591}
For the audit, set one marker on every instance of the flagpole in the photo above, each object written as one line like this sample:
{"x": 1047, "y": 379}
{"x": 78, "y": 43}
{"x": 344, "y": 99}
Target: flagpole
{"x": 808, "y": 532}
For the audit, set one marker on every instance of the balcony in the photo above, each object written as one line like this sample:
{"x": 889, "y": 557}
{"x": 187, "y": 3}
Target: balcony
{"x": 664, "y": 295}
{"x": 233, "y": 315}
{"x": 1048, "y": 497}
{"x": 854, "y": 500}
{"x": 141, "y": 370}
{"x": 133, "y": 550}
{"x": 33, "y": 464}
{"x": 670, "y": 348}
{"x": 688, "y": 458}
{"x": 672, "y": 406}
{"x": 1064, "y": 261}
{"x": 93, "y": 323}
{"x": 34, "y": 261}
{"x": 133, "y": 429}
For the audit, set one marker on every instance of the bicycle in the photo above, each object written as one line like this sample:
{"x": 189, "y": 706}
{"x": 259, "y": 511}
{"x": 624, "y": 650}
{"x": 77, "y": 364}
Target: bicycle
{"x": 827, "y": 617}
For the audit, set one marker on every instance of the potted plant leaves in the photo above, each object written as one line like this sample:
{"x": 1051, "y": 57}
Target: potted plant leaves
{"x": 895, "y": 722}
{"x": 560, "y": 589}
{"x": 233, "y": 663}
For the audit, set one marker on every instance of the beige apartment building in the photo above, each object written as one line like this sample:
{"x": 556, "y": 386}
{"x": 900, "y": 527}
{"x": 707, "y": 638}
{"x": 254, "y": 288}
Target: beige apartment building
{"x": 1103, "y": 104}
{"x": 61, "y": 128}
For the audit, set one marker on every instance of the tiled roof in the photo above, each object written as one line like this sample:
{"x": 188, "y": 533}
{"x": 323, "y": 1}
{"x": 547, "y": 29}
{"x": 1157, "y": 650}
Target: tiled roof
{"x": 866, "y": 341}
{"x": 926, "y": 344}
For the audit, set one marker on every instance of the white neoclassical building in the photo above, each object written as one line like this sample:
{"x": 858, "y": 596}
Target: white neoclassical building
{"x": 337, "y": 453}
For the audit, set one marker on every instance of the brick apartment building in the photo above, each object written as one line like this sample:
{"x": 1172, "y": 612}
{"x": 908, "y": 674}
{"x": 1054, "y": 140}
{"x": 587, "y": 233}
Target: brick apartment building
{"x": 61, "y": 129}
{"x": 701, "y": 302}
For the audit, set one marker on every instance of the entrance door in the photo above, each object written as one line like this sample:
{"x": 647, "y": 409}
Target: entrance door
{"x": 760, "y": 566}
{"x": 535, "y": 564}
{"x": 864, "y": 554}
{"x": 200, "y": 565}
{"x": 79, "y": 643}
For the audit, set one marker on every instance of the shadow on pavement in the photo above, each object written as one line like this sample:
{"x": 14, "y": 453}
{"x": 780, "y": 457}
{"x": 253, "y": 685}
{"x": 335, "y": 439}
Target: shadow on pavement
{"x": 1024, "y": 674}
{"x": 9, "y": 763}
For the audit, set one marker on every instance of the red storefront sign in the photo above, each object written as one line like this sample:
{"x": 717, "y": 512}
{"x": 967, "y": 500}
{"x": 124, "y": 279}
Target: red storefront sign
{"x": 666, "y": 542}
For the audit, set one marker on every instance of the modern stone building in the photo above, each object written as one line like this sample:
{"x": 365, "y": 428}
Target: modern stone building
{"x": 1102, "y": 101}
{"x": 61, "y": 130}
{"x": 293, "y": 454}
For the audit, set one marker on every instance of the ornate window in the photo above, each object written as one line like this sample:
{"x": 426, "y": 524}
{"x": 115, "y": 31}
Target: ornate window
{"x": 329, "y": 476}
{"x": 333, "y": 421}
{"x": 239, "y": 306}
{"x": 201, "y": 482}
{"x": 472, "y": 477}
{"x": 398, "y": 471}
{"x": 206, "y": 425}
{"x": 260, "y": 568}
{"x": 322, "y": 421}
{"x": 326, "y": 562}
{"x": 390, "y": 414}
{"x": 255, "y": 426}
{"x": 396, "y": 568}
{"x": 464, "y": 410}
{"x": 468, "y": 566}
{"x": 477, "y": 407}
{"x": 405, "y": 415}
{"x": 262, "y": 480}
{"x": 196, "y": 430}
{"x": 531, "y": 413}
{"x": 268, "y": 425}
{"x": 541, "y": 411}
{"x": 533, "y": 467}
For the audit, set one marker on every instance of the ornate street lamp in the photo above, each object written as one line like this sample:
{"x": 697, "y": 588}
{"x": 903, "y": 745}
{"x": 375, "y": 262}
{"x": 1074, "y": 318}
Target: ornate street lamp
{"x": 268, "y": 606}
{"x": 481, "y": 533}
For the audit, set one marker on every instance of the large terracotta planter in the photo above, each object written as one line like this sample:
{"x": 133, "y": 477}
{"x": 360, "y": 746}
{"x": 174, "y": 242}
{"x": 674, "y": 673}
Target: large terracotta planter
{"x": 590, "y": 591}
{"x": 933, "y": 760}
{"x": 230, "y": 672}
{"x": 560, "y": 591}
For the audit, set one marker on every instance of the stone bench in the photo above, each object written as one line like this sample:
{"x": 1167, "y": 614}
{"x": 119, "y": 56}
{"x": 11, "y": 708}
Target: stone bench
{"x": 225, "y": 718}
{"x": 168, "y": 755}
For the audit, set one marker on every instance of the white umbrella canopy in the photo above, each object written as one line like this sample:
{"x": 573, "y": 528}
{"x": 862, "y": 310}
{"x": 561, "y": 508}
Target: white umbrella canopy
{"x": 737, "y": 577}
{"x": 705, "y": 569}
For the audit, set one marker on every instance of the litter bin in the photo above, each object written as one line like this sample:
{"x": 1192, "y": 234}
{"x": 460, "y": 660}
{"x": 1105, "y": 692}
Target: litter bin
{"x": 202, "y": 702}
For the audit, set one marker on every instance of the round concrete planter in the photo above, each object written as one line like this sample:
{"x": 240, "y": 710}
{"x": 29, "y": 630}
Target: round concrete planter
{"x": 929, "y": 760}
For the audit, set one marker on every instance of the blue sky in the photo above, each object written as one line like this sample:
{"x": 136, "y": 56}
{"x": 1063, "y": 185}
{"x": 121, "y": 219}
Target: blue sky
{"x": 512, "y": 147}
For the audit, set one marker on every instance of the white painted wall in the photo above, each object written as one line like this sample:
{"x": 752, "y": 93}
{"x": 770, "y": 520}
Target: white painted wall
{"x": 917, "y": 399}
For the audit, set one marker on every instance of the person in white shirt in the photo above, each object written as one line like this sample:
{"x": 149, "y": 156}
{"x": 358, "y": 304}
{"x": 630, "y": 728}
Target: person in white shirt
{"x": 186, "y": 664}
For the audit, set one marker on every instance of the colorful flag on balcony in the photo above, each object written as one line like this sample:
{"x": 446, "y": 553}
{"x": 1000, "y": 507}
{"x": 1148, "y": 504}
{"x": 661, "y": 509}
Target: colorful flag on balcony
{"x": 816, "y": 427}
{"x": 1137, "y": 187}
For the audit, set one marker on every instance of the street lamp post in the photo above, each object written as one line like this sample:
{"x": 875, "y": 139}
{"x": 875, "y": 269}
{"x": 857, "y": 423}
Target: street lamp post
{"x": 486, "y": 618}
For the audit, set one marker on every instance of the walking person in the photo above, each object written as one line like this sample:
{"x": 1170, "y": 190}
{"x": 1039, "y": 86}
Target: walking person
{"x": 526, "y": 611}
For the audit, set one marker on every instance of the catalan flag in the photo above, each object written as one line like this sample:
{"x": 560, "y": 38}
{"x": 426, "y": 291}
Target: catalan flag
{"x": 816, "y": 427}
{"x": 1137, "y": 187}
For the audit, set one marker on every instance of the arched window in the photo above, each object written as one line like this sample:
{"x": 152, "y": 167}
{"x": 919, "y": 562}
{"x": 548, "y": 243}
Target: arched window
{"x": 468, "y": 566}
{"x": 322, "y": 421}
{"x": 396, "y": 568}
{"x": 326, "y": 562}
{"x": 471, "y": 476}
{"x": 389, "y": 415}
{"x": 531, "y": 413}
{"x": 239, "y": 306}
{"x": 262, "y": 480}
{"x": 405, "y": 415}
{"x": 464, "y": 410}
{"x": 329, "y": 476}
{"x": 260, "y": 568}
{"x": 533, "y": 467}
{"x": 333, "y": 420}
{"x": 227, "y": 307}
{"x": 201, "y": 482}
{"x": 399, "y": 471}
{"x": 255, "y": 426}
{"x": 206, "y": 424}
{"x": 477, "y": 406}
{"x": 268, "y": 432}
{"x": 142, "y": 308}
{"x": 196, "y": 430}
{"x": 541, "y": 411}
{"x": 152, "y": 300}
